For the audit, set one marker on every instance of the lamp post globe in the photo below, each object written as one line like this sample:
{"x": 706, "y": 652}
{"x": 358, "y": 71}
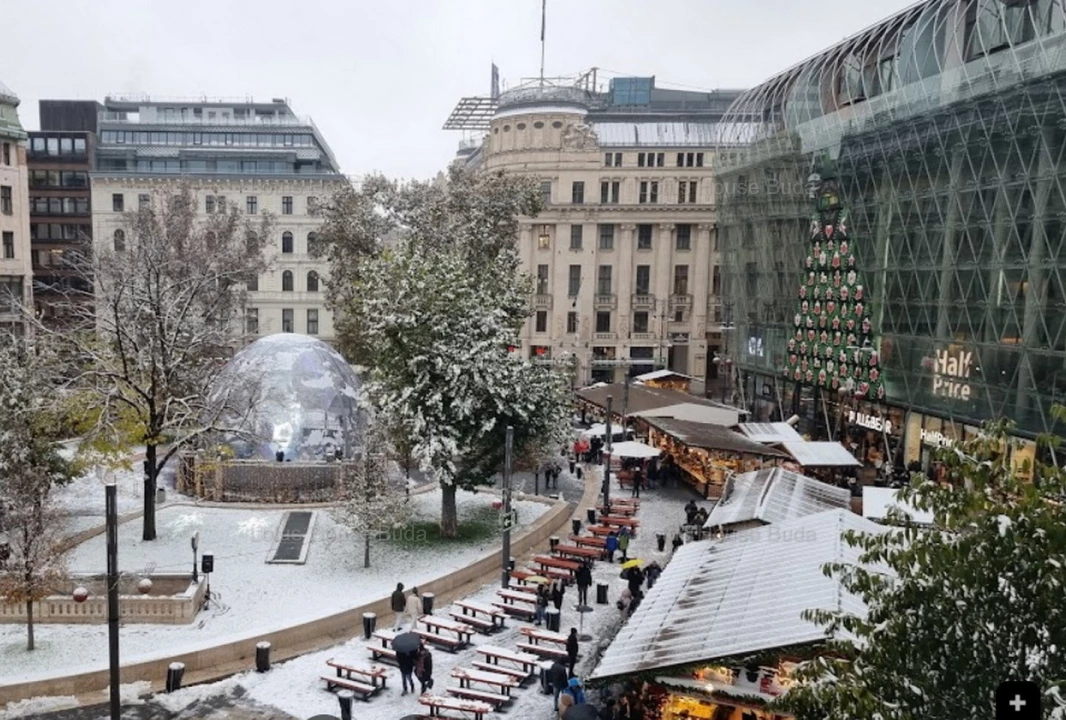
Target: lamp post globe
{"x": 144, "y": 586}
{"x": 80, "y": 594}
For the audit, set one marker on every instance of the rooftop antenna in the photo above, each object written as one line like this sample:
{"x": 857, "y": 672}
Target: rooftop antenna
{"x": 543, "y": 24}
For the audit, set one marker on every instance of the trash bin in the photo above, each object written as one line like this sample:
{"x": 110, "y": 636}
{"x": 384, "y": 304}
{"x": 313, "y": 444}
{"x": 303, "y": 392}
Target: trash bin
{"x": 573, "y": 466}
{"x": 262, "y": 656}
{"x": 174, "y": 673}
{"x": 553, "y": 541}
{"x": 160, "y": 496}
{"x": 591, "y": 513}
{"x": 575, "y": 526}
{"x": 345, "y": 698}
{"x": 660, "y": 540}
{"x": 370, "y": 622}
{"x": 551, "y": 619}
{"x": 427, "y": 603}
{"x": 601, "y": 593}
{"x": 510, "y": 564}
{"x": 545, "y": 683}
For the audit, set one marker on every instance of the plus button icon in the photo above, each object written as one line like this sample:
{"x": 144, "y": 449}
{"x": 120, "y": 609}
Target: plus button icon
{"x": 1018, "y": 701}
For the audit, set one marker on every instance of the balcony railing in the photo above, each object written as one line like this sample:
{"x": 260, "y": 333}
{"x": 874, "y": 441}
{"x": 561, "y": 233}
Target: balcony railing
{"x": 642, "y": 336}
{"x": 542, "y": 301}
{"x": 605, "y": 300}
{"x": 681, "y": 300}
{"x": 605, "y": 336}
{"x": 642, "y": 300}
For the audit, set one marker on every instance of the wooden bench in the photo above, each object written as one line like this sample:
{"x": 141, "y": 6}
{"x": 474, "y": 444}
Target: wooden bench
{"x": 500, "y": 681}
{"x": 449, "y": 643}
{"x": 520, "y": 675}
{"x": 495, "y": 654}
{"x": 514, "y": 596}
{"x": 482, "y": 695}
{"x": 589, "y": 541}
{"x": 601, "y": 530}
{"x": 543, "y": 650}
{"x": 380, "y": 651}
{"x": 537, "y": 635}
{"x": 521, "y": 575}
{"x": 473, "y": 608}
{"x": 620, "y": 522}
{"x": 578, "y": 552}
{"x": 485, "y": 626}
{"x": 619, "y": 510}
{"x": 554, "y": 567}
{"x": 374, "y": 674}
{"x": 362, "y": 689}
{"x": 436, "y": 703}
{"x": 516, "y": 610}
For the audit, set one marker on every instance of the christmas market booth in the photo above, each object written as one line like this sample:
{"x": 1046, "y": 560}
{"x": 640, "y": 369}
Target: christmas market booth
{"x": 720, "y": 633}
{"x": 665, "y": 379}
{"x": 707, "y": 454}
{"x": 825, "y": 460}
{"x": 638, "y": 400}
{"x": 772, "y": 495}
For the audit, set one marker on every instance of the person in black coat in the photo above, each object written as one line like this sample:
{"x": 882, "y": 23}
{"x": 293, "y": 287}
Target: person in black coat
{"x": 558, "y": 679}
{"x": 557, "y": 595}
{"x": 399, "y": 604}
{"x": 583, "y": 577}
{"x": 406, "y": 661}
{"x": 424, "y": 668}
{"x": 571, "y": 651}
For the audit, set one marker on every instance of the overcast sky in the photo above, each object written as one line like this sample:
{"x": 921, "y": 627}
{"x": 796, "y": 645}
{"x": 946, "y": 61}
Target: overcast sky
{"x": 380, "y": 78}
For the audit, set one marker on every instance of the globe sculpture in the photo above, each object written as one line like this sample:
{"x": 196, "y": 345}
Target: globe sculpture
{"x": 290, "y": 397}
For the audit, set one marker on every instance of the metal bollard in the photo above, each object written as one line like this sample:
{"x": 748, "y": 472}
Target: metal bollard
{"x": 427, "y": 603}
{"x": 551, "y": 619}
{"x": 601, "y": 593}
{"x": 262, "y": 657}
{"x": 174, "y": 673}
{"x": 591, "y": 514}
{"x": 345, "y": 698}
{"x": 553, "y": 541}
{"x": 575, "y": 526}
{"x": 370, "y": 622}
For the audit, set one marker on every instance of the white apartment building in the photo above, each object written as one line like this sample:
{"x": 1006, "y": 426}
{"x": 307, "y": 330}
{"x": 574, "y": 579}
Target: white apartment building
{"x": 16, "y": 269}
{"x": 625, "y": 253}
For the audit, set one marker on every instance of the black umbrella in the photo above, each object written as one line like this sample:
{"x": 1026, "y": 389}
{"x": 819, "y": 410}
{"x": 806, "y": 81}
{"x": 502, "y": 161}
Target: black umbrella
{"x": 584, "y": 711}
{"x": 406, "y": 643}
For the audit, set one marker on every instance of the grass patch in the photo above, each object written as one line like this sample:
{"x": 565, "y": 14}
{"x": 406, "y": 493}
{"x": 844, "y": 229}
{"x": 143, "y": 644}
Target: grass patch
{"x": 475, "y": 525}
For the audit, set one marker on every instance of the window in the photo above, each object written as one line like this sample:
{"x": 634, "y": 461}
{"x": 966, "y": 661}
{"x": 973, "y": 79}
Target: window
{"x": 686, "y": 191}
{"x": 640, "y": 321}
{"x": 660, "y": 159}
{"x": 577, "y": 233}
{"x": 286, "y": 243}
{"x": 571, "y": 323}
{"x": 680, "y": 279}
{"x": 312, "y": 321}
{"x": 699, "y": 159}
{"x": 603, "y": 280}
{"x": 252, "y": 204}
{"x": 643, "y": 237}
{"x": 312, "y": 281}
{"x": 252, "y": 283}
{"x": 286, "y": 320}
{"x": 6, "y": 203}
{"x": 220, "y": 200}
{"x": 120, "y": 240}
{"x": 251, "y": 321}
{"x": 612, "y": 159}
{"x": 542, "y": 321}
{"x": 144, "y": 201}
{"x": 577, "y": 193}
{"x": 7, "y": 153}
{"x": 690, "y": 159}
{"x": 286, "y": 205}
{"x": 312, "y": 204}
{"x": 544, "y": 238}
{"x": 286, "y": 281}
{"x": 716, "y": 280}
{"x": 609, "y": 192}
{"x": 11, "y": 292}
{"x": 603, "y": 321}
{"x": 542, "y": 279}
{"x": 684, "y": 237}
{"x": 311, "y": 238}
{"x": 650, "y": 159}
{"x": 573, "y": 285}
{"x": 640, "y": 159}
{"x": 118, "y": 202}
{"x": 546, "y": 192}
{"x": 679, "y": 315}
{"x": 649, "y": 192}
{"x": 643, "y": 284}
{"x": 606, "y": 237}
{"x": 209, "y": 204}
{"x": 9, "y": 245}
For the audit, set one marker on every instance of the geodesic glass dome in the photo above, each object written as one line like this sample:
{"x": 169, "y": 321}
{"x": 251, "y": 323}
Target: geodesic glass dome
{"x": 292, "y": 394}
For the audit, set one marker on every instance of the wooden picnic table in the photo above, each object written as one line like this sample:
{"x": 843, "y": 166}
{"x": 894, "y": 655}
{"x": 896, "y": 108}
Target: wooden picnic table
{"x": 494, "y": 655}
{"x": 522, "y": 575}
{"x": 623, "y": 510}
{"x": 493, "y": 614}
{"x": 621, "y": 522}
{"x": 386, "y": 636}
{"x": 436, "y": 703}
{"x": 588, "y": 541}
{"x": 375, "y": 673}
{"x": 601, "y": 530}
{"x": 635, "y": 502}
{"x": 504, "y": 683}
{"x": 436, "y": 625}
{"x": 557, "y": 564}
{"x": 578, "y": 552}
{"x": 537, "y": 635}
{"x": 513, "y": 596}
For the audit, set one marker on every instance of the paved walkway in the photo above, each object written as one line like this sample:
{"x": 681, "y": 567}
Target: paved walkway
{"x": 234, "y": 706}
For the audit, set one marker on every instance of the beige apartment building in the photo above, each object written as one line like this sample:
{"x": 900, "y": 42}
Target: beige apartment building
{"x": 16, "y": 269}
{"x": 625, "y": 253}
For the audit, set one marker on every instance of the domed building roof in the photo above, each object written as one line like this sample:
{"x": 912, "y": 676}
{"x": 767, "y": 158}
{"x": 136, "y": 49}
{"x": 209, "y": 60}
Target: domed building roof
{"x": 296, "y": 395}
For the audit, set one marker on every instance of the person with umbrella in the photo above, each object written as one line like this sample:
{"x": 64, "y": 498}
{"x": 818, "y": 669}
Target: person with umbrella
{"x": 406, "y": 646}
{"x": 559, "y": 680}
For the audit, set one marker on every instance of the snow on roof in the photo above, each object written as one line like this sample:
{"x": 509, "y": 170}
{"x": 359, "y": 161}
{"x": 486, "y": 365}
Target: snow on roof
{"x": 770, "y": 433}
{"x": 876, "y": 501}
{"x": 710, "y": 436}
{"x": 659, "y": 375}
{"x": 704, "y": 414}
{"x": 775, "y": 495}
{"x": 820, "y": 454}
{"x": 743, "y": 594}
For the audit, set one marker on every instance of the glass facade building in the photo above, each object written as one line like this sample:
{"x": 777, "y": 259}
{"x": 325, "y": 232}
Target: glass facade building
{"x": 946, "y": 126}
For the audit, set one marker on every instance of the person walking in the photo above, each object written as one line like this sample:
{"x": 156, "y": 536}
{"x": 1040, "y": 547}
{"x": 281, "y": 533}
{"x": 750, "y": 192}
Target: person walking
{"x": 612, "y": 545}
{"x": 652, "y": 574}
{"x": 406, "y": 661}
{"x": 638, "y": 480}
{"x": 565, "y": 701}
{"x": 557, "y": 595}
{"x": 398, "y": 605}
{"x": 678, "y": 542}
{"x": 413, "y": 609}
{"x": 583, "y": 577}
{"x": 571, "y": 651}
{"x": 424, "y": 668}
{"x": 623, "y": 544}
{"x": 576, "y": 691}
{"x": 559, "y": 680}
{"x": 541, "y": 604}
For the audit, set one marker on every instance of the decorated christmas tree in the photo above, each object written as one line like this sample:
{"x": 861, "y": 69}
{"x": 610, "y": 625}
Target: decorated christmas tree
{"x": 831, "y": 346}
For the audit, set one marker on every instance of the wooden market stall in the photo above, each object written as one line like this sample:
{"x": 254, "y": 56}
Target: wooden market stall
{"x": 665, "y": 379}
{"x": 640, "y": 400}
{"x": 708, "y": 454}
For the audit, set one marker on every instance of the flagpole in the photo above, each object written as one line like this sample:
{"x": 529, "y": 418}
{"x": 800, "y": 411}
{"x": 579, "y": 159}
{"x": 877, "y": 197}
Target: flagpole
{"x": 543, "y": 23}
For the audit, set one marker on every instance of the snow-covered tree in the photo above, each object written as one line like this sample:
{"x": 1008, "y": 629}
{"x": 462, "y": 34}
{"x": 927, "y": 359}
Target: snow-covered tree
{"x": 167, "y": 311}
{"x": 31, "y": 555}
{"x": 953, "y": 611}
{"x": 372, "y": 503}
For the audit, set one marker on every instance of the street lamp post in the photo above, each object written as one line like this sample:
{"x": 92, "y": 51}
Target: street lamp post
{"x": 111, "y": 512}
{"x": 607, "y": 464}
{"x": 505, "y": 578}
{"x": 195, "y": 542}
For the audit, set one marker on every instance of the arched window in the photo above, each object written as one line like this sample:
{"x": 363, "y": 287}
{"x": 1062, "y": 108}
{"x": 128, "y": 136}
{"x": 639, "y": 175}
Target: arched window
{"x": 286, "y": 281}
{"x": 311, "y": 237}
{"x": 120, "y": 240}
{"x": 312, "y": 281}
{"x": 286, "y": 242}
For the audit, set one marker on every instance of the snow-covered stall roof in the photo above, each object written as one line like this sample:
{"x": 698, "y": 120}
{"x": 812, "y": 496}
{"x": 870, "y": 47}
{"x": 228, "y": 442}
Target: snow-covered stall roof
{"x": 775, "y": 495}
{"x": 876, "y": 501}
{"x": 659, "y": 375}
{"x": 633, "y": 449}
{"x": 820, "y": 454}
{"x": 742, "y": 594}
{"x": 770, "y": 433}
{"x": 690, "y": 412}
{"x": 711, "y": 437}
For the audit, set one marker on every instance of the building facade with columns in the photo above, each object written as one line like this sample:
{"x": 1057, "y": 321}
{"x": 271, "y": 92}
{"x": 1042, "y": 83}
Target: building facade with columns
{"x": 624, "y": 255}
{"x": 16, "y": 272}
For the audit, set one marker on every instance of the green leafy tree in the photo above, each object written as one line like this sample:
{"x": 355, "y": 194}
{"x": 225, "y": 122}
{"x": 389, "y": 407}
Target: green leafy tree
{"x": 955, "y": 610}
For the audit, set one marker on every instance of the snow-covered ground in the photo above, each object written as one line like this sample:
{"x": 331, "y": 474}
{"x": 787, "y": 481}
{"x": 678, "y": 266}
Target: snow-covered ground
{"x": 252, "y": 595}
{"x": 83, "y": 498}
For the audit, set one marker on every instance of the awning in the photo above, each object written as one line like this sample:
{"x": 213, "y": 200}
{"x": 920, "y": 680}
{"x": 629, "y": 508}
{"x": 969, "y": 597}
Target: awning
{"x": 632, "y": 449}
{"x": 694, "y": 413}
{"x": 820, "y": 454}
{"x": 773, "y": 495}
{"x": 770, "y": 433}
{"x": 711, "y": 437}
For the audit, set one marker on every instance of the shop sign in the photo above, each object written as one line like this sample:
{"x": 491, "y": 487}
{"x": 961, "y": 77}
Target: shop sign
{"x": 755, "y": 347}
{"x": 935, "y": 438}
{"x": 951, "y": 374}
{"x": 680, "y": 338}
{"x": 870, "y": 422}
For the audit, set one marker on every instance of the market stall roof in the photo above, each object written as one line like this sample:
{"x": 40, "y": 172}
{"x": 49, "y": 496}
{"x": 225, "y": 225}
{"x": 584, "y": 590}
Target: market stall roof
{"x": 820, "y": 454}
{"x": 773, "y": 495}
{"x": 641, "y": 397}
{"x": 633, "y": 449}
{"x": 711, "y": 437}
{"x": 753, "y": 586}
{"x": 876, "y": 501}
{"x": 661, "y": 375}
{"x": 694, "y": 413}
{"x": 770, "y": 433}
{"x": 600, "y": 430}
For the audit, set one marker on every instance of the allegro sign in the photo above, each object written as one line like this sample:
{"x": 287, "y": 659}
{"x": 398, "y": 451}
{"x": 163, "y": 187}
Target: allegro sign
{"x": 870, "y": 422}
{"x": 951, "y": 374}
